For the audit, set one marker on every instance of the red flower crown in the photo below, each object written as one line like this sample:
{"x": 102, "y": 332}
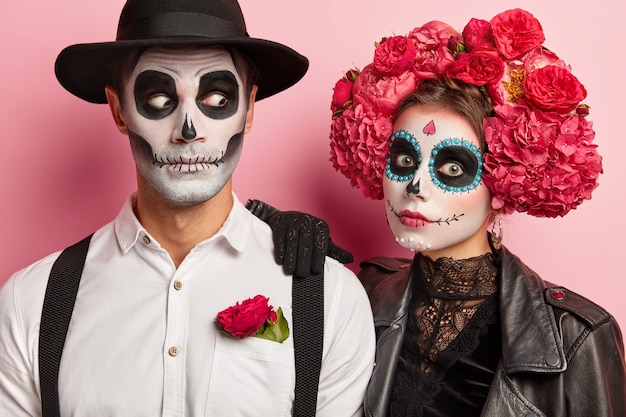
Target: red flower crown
{"x": 540, "y": 157}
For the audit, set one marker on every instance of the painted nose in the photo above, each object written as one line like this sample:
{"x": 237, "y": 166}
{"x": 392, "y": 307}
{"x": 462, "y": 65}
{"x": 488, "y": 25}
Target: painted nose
{"x": 413, "y": 187}
{"x": 189, "y": 132}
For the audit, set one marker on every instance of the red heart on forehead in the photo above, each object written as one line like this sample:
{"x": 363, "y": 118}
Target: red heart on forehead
{"x": 429, "y": 129}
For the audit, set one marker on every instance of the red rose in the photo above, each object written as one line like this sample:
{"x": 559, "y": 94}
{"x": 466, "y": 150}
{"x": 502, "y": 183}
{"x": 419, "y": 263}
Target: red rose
{"x": 582, "y": 110}
{"x": 516, "y": 32}
{"x": 554, "y": 88}
{"x": 479, "y": 67}
{"x": 394, "y": 56}
{"x": 245, "y": 318}
{"x": 511, "y": 87}
{"x": 342, "y": 92}
{"x": 477, "y": 34}
{"x": 456, "y": 44}
{"x": 431, "y": 42}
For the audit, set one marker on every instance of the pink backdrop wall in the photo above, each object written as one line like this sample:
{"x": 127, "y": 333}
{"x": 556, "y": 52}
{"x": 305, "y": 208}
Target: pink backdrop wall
{"x": 66, "y": 170}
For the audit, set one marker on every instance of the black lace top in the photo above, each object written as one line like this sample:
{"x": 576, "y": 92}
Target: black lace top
{"x": 452, "y": 343}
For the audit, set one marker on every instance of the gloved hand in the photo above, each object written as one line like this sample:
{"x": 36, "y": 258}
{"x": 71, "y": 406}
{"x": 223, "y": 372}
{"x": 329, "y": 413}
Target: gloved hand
{"x": 301, "y": 241}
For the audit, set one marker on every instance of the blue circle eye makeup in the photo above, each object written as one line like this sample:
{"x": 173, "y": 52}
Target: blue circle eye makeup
{"x": 404, "y": 157}
{"x": 456, "y": 165}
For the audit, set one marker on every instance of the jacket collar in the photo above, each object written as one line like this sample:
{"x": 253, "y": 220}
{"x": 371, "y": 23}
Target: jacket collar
{"x": 389, "y": 292}
{"x": 530, "y": 335}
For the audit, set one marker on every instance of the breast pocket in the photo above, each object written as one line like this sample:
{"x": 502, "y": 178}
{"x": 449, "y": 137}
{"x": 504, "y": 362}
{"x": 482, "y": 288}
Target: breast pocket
{"x": 251, "y": 377}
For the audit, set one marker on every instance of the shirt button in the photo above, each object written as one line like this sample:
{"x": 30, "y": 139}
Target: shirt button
{"x": 146, "y": 240}
{"x": 173, "y": 351}
{"x": 178, "y": 285}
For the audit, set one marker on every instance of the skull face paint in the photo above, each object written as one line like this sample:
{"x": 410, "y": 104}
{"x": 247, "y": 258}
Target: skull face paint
{"x": 434, "y": 196}
{"x": 185, "y": 111}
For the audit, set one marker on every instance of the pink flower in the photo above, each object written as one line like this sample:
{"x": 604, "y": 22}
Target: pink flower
{"x": 477, "y": 34}
{"x": 479, "y": 67}
{"x": 541, "y": 57}
{"x": 511, "y": 87}
{"x": 394, "y": 56}
{"x": 516, "y": 32}
{"x": 382, "y": 94}
{"x": 540, "y": 157}
{"x": 358, "y": 148}
{"x": 542, "y": 163}
{"x": 342, "y": 92}
{"x": 433, "y": 54}
{"x": 554, "y": 88}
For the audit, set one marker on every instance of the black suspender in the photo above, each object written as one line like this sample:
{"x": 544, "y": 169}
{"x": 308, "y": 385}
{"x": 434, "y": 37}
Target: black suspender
{"x": 58, "y": 305}
{"x": 308, "y": 340}
{"x": 308, "y": 330}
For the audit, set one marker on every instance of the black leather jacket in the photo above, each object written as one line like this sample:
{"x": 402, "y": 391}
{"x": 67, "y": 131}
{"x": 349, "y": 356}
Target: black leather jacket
{"x": 562, "y": 355}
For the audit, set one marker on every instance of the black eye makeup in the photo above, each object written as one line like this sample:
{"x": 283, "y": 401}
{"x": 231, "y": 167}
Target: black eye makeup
{"x": 404, "y": 157}
{"x": 456, "y": 165}
{"x": 155, "y": 95}
{"x": 218, "y": 95}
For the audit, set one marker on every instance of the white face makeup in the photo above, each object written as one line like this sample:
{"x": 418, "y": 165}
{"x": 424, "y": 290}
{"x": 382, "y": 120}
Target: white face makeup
{"x": 434, "y": 196}
{"x": 185, "y": 111}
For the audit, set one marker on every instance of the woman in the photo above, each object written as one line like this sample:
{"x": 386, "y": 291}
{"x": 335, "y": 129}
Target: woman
{"x": 458, "y": 130}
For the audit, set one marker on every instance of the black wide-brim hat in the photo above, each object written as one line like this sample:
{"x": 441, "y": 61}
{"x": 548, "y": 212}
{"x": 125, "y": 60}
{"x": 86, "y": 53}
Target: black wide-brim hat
{"x": 85, "y": 69}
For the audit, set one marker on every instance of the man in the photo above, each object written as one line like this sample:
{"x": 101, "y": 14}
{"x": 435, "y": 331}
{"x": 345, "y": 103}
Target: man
{"x": 181, "y": 81}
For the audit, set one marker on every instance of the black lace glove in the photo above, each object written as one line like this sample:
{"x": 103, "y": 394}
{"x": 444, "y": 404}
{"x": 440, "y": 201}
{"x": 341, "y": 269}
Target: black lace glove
{"x": 301, "y": 241}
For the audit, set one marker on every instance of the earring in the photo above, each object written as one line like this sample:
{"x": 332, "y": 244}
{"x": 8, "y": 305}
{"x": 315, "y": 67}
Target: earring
{"x": 496, "y": 238}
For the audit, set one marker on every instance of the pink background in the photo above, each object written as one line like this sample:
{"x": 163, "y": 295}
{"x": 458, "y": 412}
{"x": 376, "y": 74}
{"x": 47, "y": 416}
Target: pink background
{"x": 66, "y": 169}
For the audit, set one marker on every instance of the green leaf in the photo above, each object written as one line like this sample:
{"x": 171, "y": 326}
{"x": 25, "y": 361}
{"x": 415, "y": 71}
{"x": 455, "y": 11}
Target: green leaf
{"x": 267, "y": 334}
{"x": 276, "y": 332}
{"x": 281, "y": 327}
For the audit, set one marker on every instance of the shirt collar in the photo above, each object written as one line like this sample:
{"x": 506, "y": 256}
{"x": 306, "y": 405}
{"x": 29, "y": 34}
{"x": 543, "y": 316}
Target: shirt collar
{"x": 235, "y": 230}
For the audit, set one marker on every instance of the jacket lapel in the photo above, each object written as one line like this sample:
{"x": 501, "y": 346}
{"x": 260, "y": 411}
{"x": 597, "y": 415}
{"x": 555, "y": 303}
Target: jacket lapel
{"x": 530, "y": 335}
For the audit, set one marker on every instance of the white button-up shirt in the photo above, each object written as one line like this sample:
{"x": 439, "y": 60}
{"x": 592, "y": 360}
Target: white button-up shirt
{"x": 143, "y": 340}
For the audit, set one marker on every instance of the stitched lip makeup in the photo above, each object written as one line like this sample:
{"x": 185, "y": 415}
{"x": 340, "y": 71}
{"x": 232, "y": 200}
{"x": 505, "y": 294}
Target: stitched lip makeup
{"x": 186, "y": 164}
{"x": 412, "y": 219}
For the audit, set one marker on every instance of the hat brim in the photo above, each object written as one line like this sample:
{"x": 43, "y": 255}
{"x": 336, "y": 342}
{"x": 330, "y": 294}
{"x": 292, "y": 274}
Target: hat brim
{"x": 84, "y": 69}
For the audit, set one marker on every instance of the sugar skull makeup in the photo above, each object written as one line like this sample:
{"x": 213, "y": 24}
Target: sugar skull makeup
{"x": 185, "y": 112}
{"x": 435, "y": 200}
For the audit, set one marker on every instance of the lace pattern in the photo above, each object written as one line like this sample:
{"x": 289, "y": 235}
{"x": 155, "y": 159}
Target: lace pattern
{"x": 449, "y": 293}
{"x": 454, "y": 302}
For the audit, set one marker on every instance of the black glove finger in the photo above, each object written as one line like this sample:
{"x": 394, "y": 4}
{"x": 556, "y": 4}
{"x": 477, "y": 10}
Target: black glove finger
{"x": 252, "y": 206}
{"x": 290, "y": 247}
{"x": 320, "y": 246}
{"x": 260, "y": 209}
{"x": 305, "y": 247}
{"x": 279, "y": 237}
{"x": 339, "y": 253}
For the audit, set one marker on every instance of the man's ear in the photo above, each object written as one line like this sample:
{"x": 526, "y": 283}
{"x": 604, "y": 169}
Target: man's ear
{"x": 116, "y": 109}
{"x": 250, "y": 113}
